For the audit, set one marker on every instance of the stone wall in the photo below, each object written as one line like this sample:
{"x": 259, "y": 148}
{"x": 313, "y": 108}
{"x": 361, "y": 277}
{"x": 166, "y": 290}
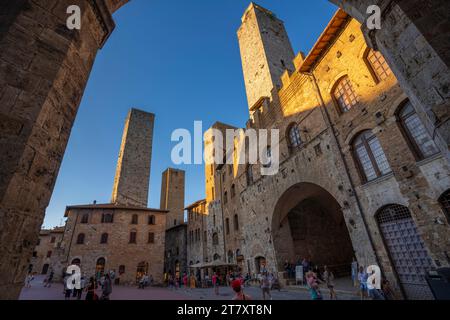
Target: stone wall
{"x": 172, "y": 196}
{"x": 176, "y": 250}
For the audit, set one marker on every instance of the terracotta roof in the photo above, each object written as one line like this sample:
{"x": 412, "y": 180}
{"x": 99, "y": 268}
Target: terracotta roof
{"x": 195, "y": 204}
{"x": 112, "y": 207}
{"x": 326, "y": 39}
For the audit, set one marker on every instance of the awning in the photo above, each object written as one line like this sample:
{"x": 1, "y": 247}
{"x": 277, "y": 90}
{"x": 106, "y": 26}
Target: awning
{"x": 213, "y": 264}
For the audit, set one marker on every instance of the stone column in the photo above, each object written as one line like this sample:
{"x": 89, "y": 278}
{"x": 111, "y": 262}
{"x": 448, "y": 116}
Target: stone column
{"x": 44, "y": 68}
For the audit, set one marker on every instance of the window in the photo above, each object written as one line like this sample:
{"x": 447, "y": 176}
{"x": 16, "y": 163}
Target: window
{"x": 151, "y": 237}
{"x": 236, "y": 222}
{"x": 85, "y": 218}
{"x": 107, "y": 218}
{"x": 34, "y": 254}
{"x": 344, "y": 95}
{"x": 377, "y": 64}
{"x": 418, "y": 137}
{"x": 233, "y": 191}
{"x": 213, "y": 195}
{"x": 80, "y": 238}
{"x": 249, "y": 175}
{"x": 225, "y": 197}
{"x": 205, "y": 237}
{"x": 216, "y": 257}
{"x": 134, "y": 219}
{"x": 133, "y": 236}
{"x": 49, "y": 254}
{"x": 53, "y": 240}
{"x": 227, "y": 225}
{"x": 294, "y": 139}
{"x": 121, "y": 269}
{"x": 370, "y": 156}
{"x": 215, "y": 239}
{"x": 444, "y": 201}
{"x": 151, "y": 220}
{"x": 104, "y": 238}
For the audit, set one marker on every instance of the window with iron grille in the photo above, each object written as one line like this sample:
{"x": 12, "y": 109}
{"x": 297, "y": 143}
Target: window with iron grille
{"x": 370, "y": 156}
{"x": 393, "y": 213}
{"x": 344, "y": 94}
{"x": 295, "y": 139}
{"x": 444, "y": 200}
{"x": 378, "y": 64}
{"x": 421, "y": 142}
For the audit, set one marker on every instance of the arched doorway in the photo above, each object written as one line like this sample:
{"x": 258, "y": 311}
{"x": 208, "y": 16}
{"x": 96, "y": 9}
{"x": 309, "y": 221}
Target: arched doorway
{"x": 406, "y": 250}
{"x": 45, "y": 268}
{"x": 308, "y": 223}
{"x": 260, "y": 265}
{"x": 141, "y": 270}
{"x": 100, "y": 267}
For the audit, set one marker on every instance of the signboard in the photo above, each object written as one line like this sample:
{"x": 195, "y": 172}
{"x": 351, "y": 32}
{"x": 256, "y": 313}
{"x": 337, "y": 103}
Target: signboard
{"x": 299, "y": 274}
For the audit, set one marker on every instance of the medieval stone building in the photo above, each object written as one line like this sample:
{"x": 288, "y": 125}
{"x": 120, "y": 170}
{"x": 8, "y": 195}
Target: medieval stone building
{"x": 44, "y": 68}
{"x": 360, "y": 174}
{"x": 46, "y": 250}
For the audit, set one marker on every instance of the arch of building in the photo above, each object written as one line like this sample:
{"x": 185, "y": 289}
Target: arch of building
{"x": 44, "y": 70}
{"x": 308, "y": 223}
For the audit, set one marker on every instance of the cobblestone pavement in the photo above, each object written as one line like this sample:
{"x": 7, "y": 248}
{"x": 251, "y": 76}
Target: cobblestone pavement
{"x": 55, "y": 292}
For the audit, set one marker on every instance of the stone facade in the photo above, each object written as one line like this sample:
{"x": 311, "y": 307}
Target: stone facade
{"x": 325, "y": 203}
{"x": 131, "y": 184}
{"x": 175, "y": 261}
{"x": 172, "y": 196}
{"x": 47, "y": 248}
{"x": 129, "y": 240}
{"x": 197, "y": 233}
{"x": 44, "y": 68}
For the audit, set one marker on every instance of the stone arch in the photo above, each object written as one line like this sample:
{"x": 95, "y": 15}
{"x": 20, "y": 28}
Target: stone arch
{"x": 308, "y": 222}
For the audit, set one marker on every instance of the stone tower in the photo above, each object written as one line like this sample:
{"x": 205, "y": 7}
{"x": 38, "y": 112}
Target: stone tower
{"x": 266, "y": 52}
{"x": 172, "y": 196}
{"x": 131, "y": 184}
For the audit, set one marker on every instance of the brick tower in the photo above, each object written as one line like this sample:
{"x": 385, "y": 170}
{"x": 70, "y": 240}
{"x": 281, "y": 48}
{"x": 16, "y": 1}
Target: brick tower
{"x": 131, "y": 184}
{"x": 172, "y": 196}
{"x": 266, "y": 52}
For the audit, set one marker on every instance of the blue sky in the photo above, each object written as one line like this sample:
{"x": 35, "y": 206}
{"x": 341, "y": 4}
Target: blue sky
{"x": 180, "y": 60}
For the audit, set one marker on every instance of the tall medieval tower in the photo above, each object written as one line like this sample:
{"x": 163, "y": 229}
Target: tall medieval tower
{"x": 266, "y": 52}
{"x": 172, "y": 196}
{"x": 131, "y": 184}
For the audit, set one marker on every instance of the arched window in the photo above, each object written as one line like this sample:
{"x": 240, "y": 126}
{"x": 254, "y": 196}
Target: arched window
{"x": 418, "y": 137}
{"x": 294, "y": 138}
{"x": 151, "y": 220}
{"x": 249, "y": 174}
{"x": 236, "y": 222}
{"x": 216, "y": 257}
{"x": 233, "y": 191}
{"x": 133, "y": 236}
{"x": 225, "y": 197}
{"x": 134, "y": 219}
{"x": 227, "y": 225}
{"x": 107, "y": 217}
{"x": 215, "y": 239}
{"x": 104, "y": 238}
{"x": 80, "y": 238}
{"x": 344, "y": 94}
{"x": 370, "y": 156}
{"x": 444, "y": 201}
{"x": 377, "y": 64}
{"x": 85, "y": 218}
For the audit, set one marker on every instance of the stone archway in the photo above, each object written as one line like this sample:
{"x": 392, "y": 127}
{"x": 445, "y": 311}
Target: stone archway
{"x": 308, "y": 223}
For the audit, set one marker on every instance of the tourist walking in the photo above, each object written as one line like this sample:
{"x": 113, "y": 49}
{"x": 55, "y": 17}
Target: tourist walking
{"x": 107, "y": 287}
{"x": 90, "y": 290}
{"x": 28, "y": 280}
{"x": 215, "y": 283}
{"x": 374, "y": 293}
{"x": 362, "y": 278}
{"x": 354, "y": 267}
{"x": 328, "y": 277}
{"x": 185, "y": 280}
{"x": 239, "y": 292}
{"x": 265, "y": 286}
{"x": 49, "y": 280}
{"x": 313, "y": 286}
